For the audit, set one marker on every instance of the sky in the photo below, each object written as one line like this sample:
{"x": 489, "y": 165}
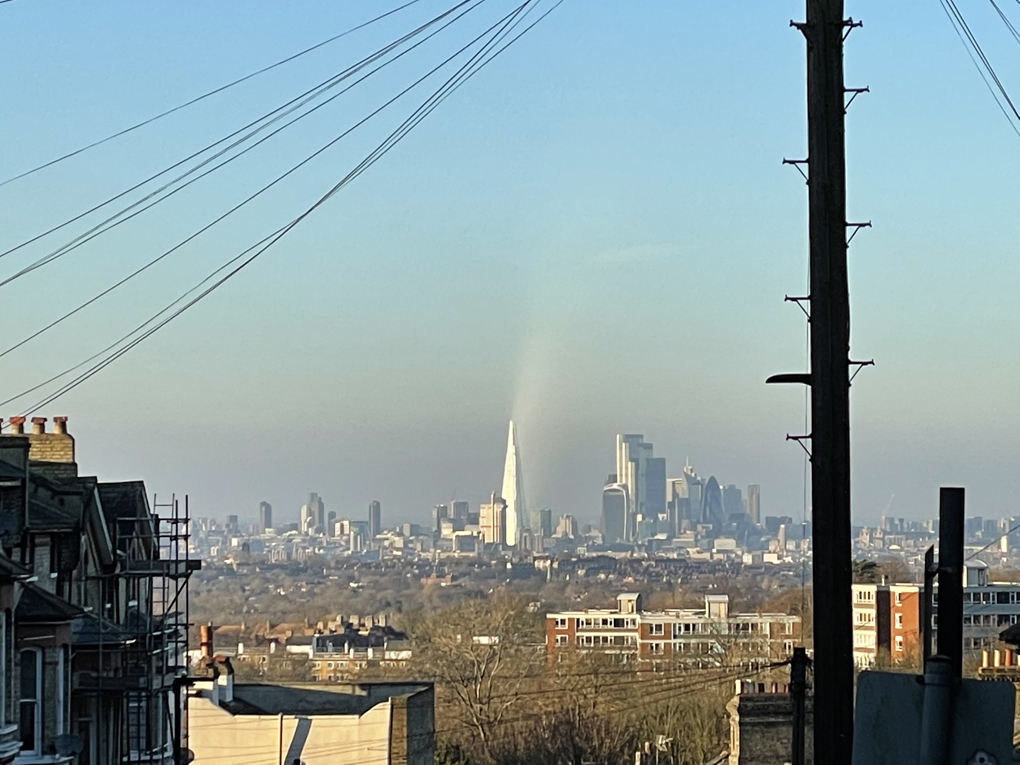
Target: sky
{"x": 593, "y": 235}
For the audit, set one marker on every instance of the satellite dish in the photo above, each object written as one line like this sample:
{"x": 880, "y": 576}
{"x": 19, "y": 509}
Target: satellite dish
{"x": 68, "y": 744}
{"x": 188, "y": 755}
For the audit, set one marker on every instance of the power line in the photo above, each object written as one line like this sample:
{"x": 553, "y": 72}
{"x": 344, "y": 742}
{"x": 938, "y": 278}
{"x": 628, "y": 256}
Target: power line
{"x": 467, "y": 71}
{"x": 232, "y": 210}
{"x": 285, "y": 109}
{"x": 204, "y": 96}
{"x": 972, "y": 46}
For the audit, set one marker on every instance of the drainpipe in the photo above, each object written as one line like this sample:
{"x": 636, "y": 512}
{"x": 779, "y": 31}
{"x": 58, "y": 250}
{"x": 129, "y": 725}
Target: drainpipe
{"x": 935, "y": 724}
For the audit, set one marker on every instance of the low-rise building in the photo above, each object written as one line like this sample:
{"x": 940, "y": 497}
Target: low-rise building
{"x": 701, "y": 636}
{"x": 362, "y": 724}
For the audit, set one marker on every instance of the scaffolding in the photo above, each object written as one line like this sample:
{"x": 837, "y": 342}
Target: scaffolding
{"x": 153, "y": 640}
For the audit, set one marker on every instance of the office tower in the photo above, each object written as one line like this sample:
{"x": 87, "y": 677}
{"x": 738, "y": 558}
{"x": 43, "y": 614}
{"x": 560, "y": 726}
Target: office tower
{"x": 733, "y": 501}
{"x": 712, "y": 504}
{"x": 567, "y": 527}
{"x": 614, "y": 513}
{"x": 374, "y": 518}
{"x": 313, "y": 514}
{"x": 232, "y": 527}
{"x": 459, "y": 511}
{"x": 330, "y": 523}
{"x": 439, "y": 514}
{"x": 754, "y": 503}
{"x": 644, "y": 476}
{"x": 265, "y": 517}
{"x": 492, "y": 521}
{"x": 695, "y": 487}
{"x": 655, "y": 489}
{"x": 546, "y": 521}
{"x": 513, "y": 490}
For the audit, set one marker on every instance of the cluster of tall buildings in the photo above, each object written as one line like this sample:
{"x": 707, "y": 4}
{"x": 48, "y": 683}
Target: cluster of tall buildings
{"x": 640, "y": 502}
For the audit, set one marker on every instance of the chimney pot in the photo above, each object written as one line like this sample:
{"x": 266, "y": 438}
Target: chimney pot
{"x": 38, "y": 425}
{"x": 60, "y": 425}
{"x": 997, "y": 658}
{"x": 18, "y": 425}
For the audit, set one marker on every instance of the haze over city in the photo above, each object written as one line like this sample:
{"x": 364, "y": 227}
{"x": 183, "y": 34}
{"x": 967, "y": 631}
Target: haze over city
{"x": 540, "y": 249}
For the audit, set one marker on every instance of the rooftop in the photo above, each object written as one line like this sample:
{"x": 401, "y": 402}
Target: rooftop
{"x": 344, "y": 699}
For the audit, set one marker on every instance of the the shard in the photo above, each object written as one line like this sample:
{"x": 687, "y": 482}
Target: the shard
{"x": 513, "y": 491}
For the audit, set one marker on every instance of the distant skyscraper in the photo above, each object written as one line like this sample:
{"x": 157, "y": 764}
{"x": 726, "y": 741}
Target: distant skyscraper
{"x": 754, "y": 503}
{"x": 567, "y": 527}
{"x": 733, "y": 501}
{"x": 695, "y": 487}
{"x": 492, "y": 521}
{"x": 545, "y": 522}
{"x": 232, "y": 525}
{"x": 513, "y": 490}
{"x": 645, "y": 479}
{"x": 439, "y": 514}
{"x": 614, "y": 513}
{"x": 265, "y": 517}
{"x": 459, "y": 511}
{"x": 712, "y": 504}
{"x": 313, "y": 514}
{"x": 374, "y": 518}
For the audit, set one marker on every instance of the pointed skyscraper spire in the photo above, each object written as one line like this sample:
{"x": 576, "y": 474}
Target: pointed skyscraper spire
{"x": 513, "y": 490}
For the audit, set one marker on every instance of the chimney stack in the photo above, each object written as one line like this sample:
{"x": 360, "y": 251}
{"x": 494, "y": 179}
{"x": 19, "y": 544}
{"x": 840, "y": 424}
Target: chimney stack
{"x": 38, "y": 425}
{"x": 205, "y": 644}
{"x": 18, "y": 426}
{"x": 228, "y": 671}
{"x": 60, "y": 425}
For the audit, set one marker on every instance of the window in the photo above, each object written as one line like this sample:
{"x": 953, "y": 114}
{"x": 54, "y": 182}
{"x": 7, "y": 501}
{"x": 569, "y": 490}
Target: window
{"x": 654, "y": 629}
{"x": 899, "y": 644}
{"x": 561, "y": 624}
{"x": 899, "y": 621}
{"x": 655, "y": 647}
{"x": 562, "y": 640}
{"x": 31, "y": 700}
{"x": 787, "y": 646}
{"x": 899, "y": 599}
{"x": 788, "y": 628}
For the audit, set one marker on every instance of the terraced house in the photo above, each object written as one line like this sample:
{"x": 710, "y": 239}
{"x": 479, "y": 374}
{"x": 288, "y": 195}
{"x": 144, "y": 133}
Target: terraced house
{"x": 93, "y": 605}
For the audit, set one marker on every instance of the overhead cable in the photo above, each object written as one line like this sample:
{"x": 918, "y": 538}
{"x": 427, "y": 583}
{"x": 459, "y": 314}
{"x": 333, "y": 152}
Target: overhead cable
{"x": 204, "y": 96}
{"x": 420, "y": 114}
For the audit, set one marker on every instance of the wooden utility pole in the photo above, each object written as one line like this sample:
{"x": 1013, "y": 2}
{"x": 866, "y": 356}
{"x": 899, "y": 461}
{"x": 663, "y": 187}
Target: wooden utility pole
{"x": 830, "y": 384}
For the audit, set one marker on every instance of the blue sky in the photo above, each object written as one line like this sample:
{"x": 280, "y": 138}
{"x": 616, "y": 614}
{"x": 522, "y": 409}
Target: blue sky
{"x": 594, "y": 235}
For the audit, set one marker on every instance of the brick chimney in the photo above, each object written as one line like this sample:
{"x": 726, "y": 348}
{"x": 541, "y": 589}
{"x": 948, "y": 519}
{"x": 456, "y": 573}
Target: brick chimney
{"x": 51, "y": 453}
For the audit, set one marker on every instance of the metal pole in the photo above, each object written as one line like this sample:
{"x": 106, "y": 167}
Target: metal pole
{"x": 798, "y": 691}
{"x": 935, "y": 712}
{"x": 950, "y": 610}
{"x": 830, "y": 384}
{"x": 178, "y": 713}
{"x": 926, "y": 607}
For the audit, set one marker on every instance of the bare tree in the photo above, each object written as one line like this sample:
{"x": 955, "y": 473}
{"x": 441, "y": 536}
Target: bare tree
{"x": 480, "y": 654}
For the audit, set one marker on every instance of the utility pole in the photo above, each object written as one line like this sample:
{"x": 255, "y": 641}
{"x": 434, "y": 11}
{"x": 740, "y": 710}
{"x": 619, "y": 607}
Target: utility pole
{"x": 832, "y": 577}
{"x": 825, "y": 29}
{"x": 798, "y": 692}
